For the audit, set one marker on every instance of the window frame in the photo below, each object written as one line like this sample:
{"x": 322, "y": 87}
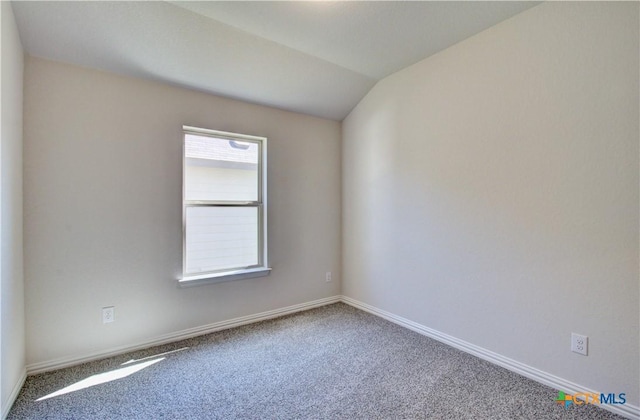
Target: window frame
{"x": 228, "y": 274}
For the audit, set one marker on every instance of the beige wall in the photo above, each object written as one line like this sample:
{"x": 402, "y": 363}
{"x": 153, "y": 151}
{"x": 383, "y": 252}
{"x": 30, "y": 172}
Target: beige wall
{"x": 12, "y": 329}
{"x": 490, "y": 192}
{"x": 103, "y": 209}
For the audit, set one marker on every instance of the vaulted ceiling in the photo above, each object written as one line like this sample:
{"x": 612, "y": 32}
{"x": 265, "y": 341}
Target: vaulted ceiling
{"x": 314, "y": 57}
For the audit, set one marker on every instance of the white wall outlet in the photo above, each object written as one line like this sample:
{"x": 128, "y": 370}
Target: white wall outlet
{"x": 327, "y": 277}
{"x": 579, "y": 343}
{"x": 108, "y": 314}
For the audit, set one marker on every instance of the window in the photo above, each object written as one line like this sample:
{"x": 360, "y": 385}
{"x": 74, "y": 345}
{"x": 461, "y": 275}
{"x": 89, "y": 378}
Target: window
{"x": 224, "y": 206}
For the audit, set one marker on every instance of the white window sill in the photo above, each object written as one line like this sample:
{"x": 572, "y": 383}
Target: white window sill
{"x": 188, "y": 281}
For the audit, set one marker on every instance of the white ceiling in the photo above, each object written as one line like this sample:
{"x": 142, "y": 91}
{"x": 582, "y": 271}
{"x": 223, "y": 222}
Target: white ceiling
{"x": 318, "y": 58}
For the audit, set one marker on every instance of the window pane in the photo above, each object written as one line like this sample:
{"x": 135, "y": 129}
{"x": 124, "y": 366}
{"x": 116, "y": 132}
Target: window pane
{"x": 220, "y": 169}
{"x": 221, "y": 238}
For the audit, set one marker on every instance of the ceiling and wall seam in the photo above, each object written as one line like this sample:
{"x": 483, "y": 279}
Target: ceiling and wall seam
{"x": 314, "y": 58}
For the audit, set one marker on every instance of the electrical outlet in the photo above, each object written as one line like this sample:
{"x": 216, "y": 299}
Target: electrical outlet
{"x": 328, "y": 277}
{"x": 579, "y": 343}
{"x": 108, "y": 314}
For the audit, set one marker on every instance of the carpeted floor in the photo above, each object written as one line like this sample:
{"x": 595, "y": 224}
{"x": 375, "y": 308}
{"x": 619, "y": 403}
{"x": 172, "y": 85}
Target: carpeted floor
{"x": 334, "y": 362}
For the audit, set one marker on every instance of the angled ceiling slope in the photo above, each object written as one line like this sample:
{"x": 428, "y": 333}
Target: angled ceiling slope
{"x": 317, "y": 58}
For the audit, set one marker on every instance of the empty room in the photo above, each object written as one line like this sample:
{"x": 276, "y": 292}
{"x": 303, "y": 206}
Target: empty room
{"x": 320, "y": 210}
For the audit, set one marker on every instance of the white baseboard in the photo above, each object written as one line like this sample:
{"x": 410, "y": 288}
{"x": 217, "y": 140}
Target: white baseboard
{"x": 555, "y": 382}
{"x": 14, "y": 394}
{"x": 36, "y": 368}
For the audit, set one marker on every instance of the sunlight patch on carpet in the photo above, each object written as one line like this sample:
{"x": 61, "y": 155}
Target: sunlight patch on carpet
{"x": 102, "y": 378}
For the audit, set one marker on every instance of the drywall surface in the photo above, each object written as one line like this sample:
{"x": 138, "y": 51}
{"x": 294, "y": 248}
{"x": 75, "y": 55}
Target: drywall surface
{"x": 12, "y": 329}
{"x": 103, "y": 209}
{"x": 491, "y": 192}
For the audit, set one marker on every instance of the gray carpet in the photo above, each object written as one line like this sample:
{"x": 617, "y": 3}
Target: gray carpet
{"x": 334, "y": 362}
